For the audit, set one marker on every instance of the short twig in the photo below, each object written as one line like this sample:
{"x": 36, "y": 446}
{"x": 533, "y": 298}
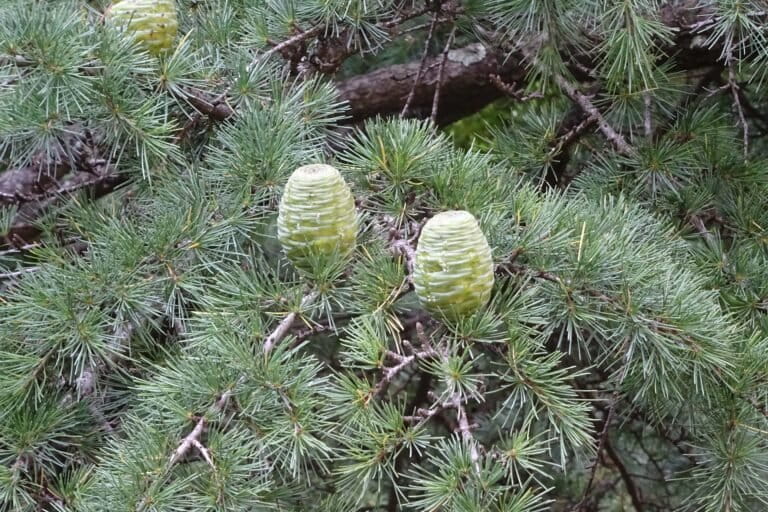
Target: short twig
{"x": 85, "y": 385}
{"x": 285, "y": 325}
{"x": 465, "y": 429}
{"x": 610, "y": 133}
{"x": 590, "y": 109}
{"x": 399, "y": 20}
{"x": 440, "y": 73}
{"x": 188, "y": 442}
{"x": 402, "y": 363}
{"x": 752, "y": 112}
{"x": 193, "y": 438}
{"x": 415, "y": 28}
{"x": 699, "y": 25}
{"x": 301, "y": 36}
{"x": 217, "y": 108}
{"x": 698, "y": 223}
{"x": 761, "y": 408}
{"x": 21, "y": 248}
{"x": 420, "y": 71}
{"x": 647, "y": 114}
{"x": 600, "y": 445}
{"x": 18, "y": 273}
{"x": 572, "y": 135}
{"x": 204, "y": 452}
{"x": 629, "y": 483}
{"x": 406, "y": 249}
{"x": 511, "y": 90}
{"x": 399, "y": 243}
{"x": 734, "y": 87}
{"x": 423, "y": 415}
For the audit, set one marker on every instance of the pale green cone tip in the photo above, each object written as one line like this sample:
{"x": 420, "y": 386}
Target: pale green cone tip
{"x": 151, "y": 22}
{"x": 453, "y": 271}
{"x": 316, "y": 215}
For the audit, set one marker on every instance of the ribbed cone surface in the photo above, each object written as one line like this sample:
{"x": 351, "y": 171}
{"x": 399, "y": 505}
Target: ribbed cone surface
{"x": 316, "y": 215}
{"x": 453, "y": 271}
{"x": 152, "y": 22}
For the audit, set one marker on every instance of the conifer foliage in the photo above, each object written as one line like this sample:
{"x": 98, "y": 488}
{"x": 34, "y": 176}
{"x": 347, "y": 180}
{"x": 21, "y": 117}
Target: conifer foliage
{"x": 246, "y": 267}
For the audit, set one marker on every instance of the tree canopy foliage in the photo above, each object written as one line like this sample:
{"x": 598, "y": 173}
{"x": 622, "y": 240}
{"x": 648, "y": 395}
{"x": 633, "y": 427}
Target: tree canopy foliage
{"x": 159, "y": 352}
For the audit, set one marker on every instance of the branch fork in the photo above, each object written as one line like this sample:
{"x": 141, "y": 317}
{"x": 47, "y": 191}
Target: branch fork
{"x": 192, "y": 440}
{"x": 403, "y": 361}
{"x": 399, "y": 243}
{"x": 285, "y": 325}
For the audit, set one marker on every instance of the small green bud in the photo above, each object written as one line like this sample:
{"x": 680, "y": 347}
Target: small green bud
{"x": 151, "y": 22}
{"x": 453, "y": 271}
{"x": 316, "y": 215}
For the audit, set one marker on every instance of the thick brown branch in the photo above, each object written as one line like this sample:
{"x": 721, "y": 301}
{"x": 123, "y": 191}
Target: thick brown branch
{"x": 35, "y": 194}
{"x": 465, "y": 87}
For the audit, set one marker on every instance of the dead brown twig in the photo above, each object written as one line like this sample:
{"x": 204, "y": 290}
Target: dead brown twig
{"x": 440, "y": 74}
{"x": 420, "y": 71}
{"x": 512, "y": 91}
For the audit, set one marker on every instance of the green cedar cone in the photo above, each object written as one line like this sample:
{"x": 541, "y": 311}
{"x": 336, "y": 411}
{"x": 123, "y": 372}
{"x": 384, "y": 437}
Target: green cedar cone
{"x": 453, "y": 271}
{"x": 317, "y": 215}
{"x": 152, "y": 22}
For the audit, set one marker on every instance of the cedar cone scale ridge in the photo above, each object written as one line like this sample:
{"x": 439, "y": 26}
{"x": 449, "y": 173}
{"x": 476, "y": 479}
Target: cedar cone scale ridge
{"x": 317, "y": 215}
{"x": 153, "y": 23}
{"x": 453, "y": 271}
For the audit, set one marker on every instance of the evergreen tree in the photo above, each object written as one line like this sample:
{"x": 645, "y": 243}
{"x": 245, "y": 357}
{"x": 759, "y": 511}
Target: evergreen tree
{"x": 529, "y": 274}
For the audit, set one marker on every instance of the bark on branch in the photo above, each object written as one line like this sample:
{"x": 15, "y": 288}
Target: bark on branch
{"x": 466, "y": 85}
